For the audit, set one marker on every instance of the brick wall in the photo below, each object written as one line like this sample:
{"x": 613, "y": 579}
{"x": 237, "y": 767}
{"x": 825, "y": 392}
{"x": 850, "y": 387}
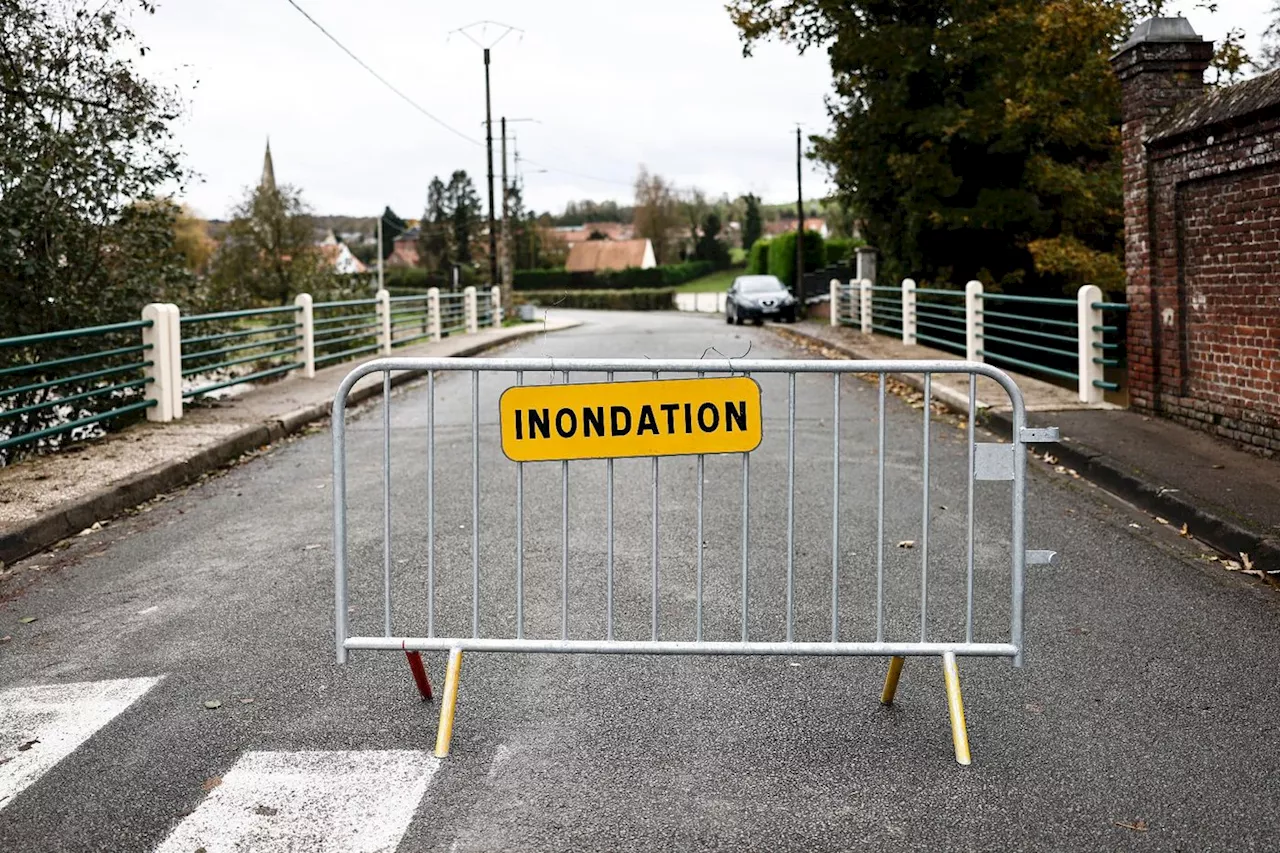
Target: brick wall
{"x": 1202, "y": 239}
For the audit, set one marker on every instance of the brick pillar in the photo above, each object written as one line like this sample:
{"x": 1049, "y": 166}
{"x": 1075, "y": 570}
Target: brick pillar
{"x": 1161, "y": 64}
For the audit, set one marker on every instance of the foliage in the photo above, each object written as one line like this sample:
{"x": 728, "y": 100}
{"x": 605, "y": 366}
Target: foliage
{"x": 782, "y": 255}
{"x": 462, "y": 206}
{"x": 1269, "y": 59}
{"x": 627, "y": 279}
{"x": 392, "y": 227}
{"x": 269, "y": 254}
{"x": 965, "y": 132}
{"x": 657, "y": 214}
{"x": 758, "y": 257}
{"x": 435, "y": 230}
{"x": 582, "y": 212}
{"x": 710, "y": 247}
{"x": 840, "y": 249}
{"x": 646, "y": 299}
{"x": 752, "y": 227}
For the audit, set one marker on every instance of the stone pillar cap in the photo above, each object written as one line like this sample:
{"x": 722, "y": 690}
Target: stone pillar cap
{"x": 1161, "y": 30}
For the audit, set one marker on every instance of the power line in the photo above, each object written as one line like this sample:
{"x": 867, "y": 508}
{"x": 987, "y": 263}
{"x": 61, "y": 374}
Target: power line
{"x": 410, "y": 101}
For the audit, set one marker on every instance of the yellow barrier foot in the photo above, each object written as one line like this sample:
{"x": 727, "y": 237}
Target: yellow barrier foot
{"x": 445, "y": 732}
{"x": 891, "y": 681}
{"x": 955, "y": 706}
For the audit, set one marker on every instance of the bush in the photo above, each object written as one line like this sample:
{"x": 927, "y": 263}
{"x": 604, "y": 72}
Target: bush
{"x": 636, "y": 299}
{"x": 758, "y": 257}
{"x": 839, "y": 250}
{"x": 782, "y": 255}
{"x": 669, "y": 275}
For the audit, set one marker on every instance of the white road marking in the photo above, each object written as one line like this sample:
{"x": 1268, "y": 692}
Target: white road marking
{"x": 40, "y": 726}
{"x": 327, "y": 802}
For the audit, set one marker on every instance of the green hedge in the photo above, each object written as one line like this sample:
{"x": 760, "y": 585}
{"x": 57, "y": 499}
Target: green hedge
{"x": 782, "y": 255}
{"x": 758, "y": 257}
{"x": 669, "y": 275}
{"x": 635, "y": 299}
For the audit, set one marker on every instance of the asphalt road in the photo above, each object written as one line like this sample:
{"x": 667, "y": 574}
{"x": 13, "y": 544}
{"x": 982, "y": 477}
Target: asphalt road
{"x": 1145, "y": 717}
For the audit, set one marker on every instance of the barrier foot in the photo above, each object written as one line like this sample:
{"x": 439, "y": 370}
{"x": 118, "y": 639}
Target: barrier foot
{"x": 419, "y": 674}
{"x": 955, "y": 706}
{"x": 445, "y": 732}
{"x": 891, "y": 680}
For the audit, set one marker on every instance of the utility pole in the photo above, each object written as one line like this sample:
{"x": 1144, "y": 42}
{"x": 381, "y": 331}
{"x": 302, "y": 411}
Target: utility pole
{"x": 800, "y": 217}
{"x": 488, "y": 127}
{"x": 380, "y": 216}
{"x": 508, "y": 279}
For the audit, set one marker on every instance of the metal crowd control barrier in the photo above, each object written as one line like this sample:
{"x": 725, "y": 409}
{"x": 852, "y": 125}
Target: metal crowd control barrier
{"x": 507, "y": 632}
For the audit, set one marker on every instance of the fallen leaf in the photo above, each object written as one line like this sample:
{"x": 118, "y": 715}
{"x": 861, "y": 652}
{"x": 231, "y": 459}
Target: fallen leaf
{"x": 24, "y": 747}
{"x": 1184, "y": 532}
{"x": 310, "y": 547}
{"x": 907, "y": 543}
{"x": 1219, "y": 466}
{"x": 27, "y": 620}
{"x": 211, "y": 783}
{"x": 1160, "y": 520}
{"x": 266, "y": 810}
{"x": 1231, "y": 565}
{"x": 1245, "y": 561}
{"x": 246, "y": 700}
{"x": 1132, "y": 524}
{"x": 1136, "y": 826}
{"x": 1051, "y": 459}
{"x": 6, "y": 638}
{"x": 1034, "y": 708}
{"x": 213, "y": 704}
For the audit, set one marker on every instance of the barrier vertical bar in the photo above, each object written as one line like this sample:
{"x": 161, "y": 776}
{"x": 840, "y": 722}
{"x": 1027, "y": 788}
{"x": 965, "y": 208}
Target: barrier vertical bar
{"x": 475, "y": 502}
{"x": 973, "y": 321}
{"x": 307, "y": 328}
{"x": 655, "y": 541}
{"x": 880, "y": 432}
{"x": 433, "y": 313}
{"x": 608, "y": 578}
{"x": 791, "y": 505}
{"x": 431, "y": 503}
{"x": 386, "y": 499}
{"x": 835, "y": 302}
{"x": 1090, "y": 349}
{"x": 564, "y": 541}
{"x": 519, "y": 537}
{"x": 469, "y": 309}
{"x": 384, "y": 321}
{"x": 924, "y": 520}
{"x": 702, "y": 545}
{"x": 968, "y": 611}
{"x": 864, "y": 307}
{"x": 340, "y": 526}
{"x": 908, "y": 311}
{"x": 746, "y": 540}
{"x": 495, "y": 306}
{"x": 835, "y": 510}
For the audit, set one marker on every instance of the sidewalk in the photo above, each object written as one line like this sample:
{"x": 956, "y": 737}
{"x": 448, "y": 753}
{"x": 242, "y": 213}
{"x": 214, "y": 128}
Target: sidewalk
{"x": 1227, "y": 497}
{"x": 45, "y": 499}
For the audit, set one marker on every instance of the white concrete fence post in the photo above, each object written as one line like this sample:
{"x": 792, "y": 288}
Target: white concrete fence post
{"x": 495, "y": 315}
{"x": 973, "y": 321}
{"x": 1089, "y": 319}
{"x": 908, "y": 312}
{"x": 469, "y": 301}
{"x": 433, "y": 312}
{"x": 165, "y": 355}
{"x": 307, "y": 333}
{"x": 835, "y": 302}
{"x": 864, "y": 304}
{"x": 384, "y": 321}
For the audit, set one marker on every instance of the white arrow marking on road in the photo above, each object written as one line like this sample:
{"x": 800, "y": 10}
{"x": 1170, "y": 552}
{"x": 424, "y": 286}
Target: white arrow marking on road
{"x": 328, "y": 802}
{"x": 40, "y": 726}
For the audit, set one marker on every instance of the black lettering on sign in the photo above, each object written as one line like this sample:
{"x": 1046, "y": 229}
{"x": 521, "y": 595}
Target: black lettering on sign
{"x": 670, "y": 409}
{"x": 614, "y": 428}
{"x": 647, "y": 420}
{"x": 735, "y": 414}
{"x": 519, "y": 426}
{"x": 593, "y": 417}
{"x": 688, "y": 418}
{"x": 702, "y": 417}
{"x": 573, "y": 423}
{"x": 537, "y": 423}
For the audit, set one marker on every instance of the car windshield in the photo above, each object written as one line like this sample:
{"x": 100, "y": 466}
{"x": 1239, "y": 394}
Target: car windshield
{"x": 759, "y": 285}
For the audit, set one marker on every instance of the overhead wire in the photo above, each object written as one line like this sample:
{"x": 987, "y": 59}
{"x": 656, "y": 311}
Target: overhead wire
{"x": 411, "y": 102}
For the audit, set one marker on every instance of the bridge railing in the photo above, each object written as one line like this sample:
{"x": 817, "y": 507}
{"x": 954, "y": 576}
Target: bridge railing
{"x": 1074, "y": 340}
{"x": 73, "y": 384}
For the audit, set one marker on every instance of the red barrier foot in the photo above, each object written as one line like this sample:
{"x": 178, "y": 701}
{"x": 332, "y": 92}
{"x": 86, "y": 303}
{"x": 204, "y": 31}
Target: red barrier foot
{"x": 419, "y": 674}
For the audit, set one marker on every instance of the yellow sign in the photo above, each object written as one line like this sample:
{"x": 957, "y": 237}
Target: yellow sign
{"x": 664, "y": 417}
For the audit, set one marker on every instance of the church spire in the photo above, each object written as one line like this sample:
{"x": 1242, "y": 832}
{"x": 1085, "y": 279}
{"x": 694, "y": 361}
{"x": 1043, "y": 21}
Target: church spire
{"x": 268, "y": 170}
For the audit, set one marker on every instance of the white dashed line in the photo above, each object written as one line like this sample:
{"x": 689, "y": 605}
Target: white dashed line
{"x": 327, "y": 802}
{"x": 40, "y": 726}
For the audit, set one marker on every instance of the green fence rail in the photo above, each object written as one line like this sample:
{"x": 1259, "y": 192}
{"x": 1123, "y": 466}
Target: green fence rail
{"x": 233, "y": 348}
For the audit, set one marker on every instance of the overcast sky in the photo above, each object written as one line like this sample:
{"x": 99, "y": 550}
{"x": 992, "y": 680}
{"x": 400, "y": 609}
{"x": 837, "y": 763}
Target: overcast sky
{"x": 611, "y": 84}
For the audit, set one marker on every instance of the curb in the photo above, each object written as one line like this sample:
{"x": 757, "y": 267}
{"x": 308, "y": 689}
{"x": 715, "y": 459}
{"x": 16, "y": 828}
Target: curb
{"x": 1104, "y": 471}
{"x": 37, "y": 534}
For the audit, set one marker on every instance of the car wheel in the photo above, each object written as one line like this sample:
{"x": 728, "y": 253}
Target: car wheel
{"x": 728, "y": 318}
{"x": 759, "y": 321}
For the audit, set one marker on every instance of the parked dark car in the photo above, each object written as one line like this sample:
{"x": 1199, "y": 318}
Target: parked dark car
{"x": 757, "y": 298}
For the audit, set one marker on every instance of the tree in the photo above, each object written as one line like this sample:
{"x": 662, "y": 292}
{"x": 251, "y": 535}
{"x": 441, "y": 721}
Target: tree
{"x": 392, "y": 227}
{"x": 709, "y": 246}
{"x": 435, "y": 230}
{"x": 752, "y": 227}
{"x": 191, "y": 238}
{"x": 1269, "y": 59}
{"x": 976, "y": 140}
{"x": 269, "y": 254}
{"x": 463, "y": 206}
{"x": 82, "y": 137}
{"x": 657, "y": 214}
{"x": 693, "y": 206}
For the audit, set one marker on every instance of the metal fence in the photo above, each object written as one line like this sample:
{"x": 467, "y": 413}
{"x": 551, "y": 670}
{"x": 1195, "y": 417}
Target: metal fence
{"x": 379, "y": 606}
{"x": 1073, "y": 341}
{"x": 236, "y": 347}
